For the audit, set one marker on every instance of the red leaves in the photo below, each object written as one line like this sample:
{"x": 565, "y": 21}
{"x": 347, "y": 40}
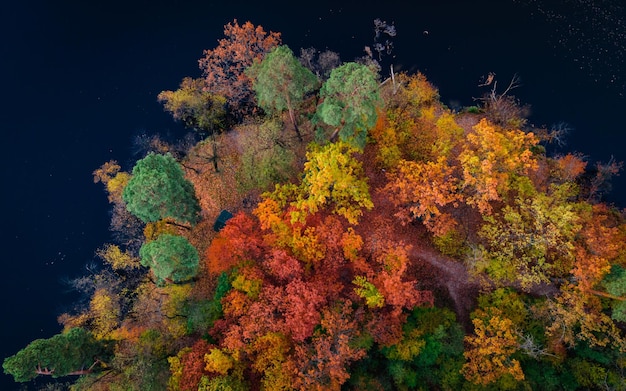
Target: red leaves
{"x": 292, "y": 284}
{"x": 237, "y": 242}
{"x": 193, "y": 366}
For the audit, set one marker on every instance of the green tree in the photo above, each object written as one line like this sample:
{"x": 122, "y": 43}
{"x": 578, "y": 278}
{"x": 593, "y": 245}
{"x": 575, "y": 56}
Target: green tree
{"x": 75, "y": 352}
{"x": 171, "y": 258}
{"x": 615, "y": 284}
{"x": 267, "y": 156}
{"x": 281, "y": 83}
{"x": 158, "y": 190}
{"x": 349, "y": 100}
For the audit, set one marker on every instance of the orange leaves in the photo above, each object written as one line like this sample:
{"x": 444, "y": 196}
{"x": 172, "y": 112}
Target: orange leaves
{"x": 571, "y": 166}
{"x": 600, "y": 242}
{"x": 422, "y": 190}
{"x": 323, "y": 364}
{"x": 489, "y": 350}
{"x": 490, "y": 159}
{"x": 224, "y": 66}
{"x": 237, "y": 242}
{"x": 113, "y": 179}
{"x": 419, "y": 91}
{"x": 351, "y": 243}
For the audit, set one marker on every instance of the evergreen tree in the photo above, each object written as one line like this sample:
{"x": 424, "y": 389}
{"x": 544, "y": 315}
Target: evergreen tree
{"x": 74, "y": 352}
{"x": 171, "y": 258}
{"x": 158, "y": 190}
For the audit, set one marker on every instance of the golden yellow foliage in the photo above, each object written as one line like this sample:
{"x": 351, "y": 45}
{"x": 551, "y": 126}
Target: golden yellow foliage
{"x": 490, "y": 158}
{"x": 218, "y": 361}
{"x": 115, "y": 186}
{"x": 105, "y": 312}
{"x": 334, "y": 177}
{"x": 489, "y": 350}
{"x": 117, "y": 258}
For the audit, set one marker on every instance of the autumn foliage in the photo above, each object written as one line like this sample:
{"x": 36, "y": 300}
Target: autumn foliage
{"x": 408, "y": 247}
{"x": 224, "y": 66}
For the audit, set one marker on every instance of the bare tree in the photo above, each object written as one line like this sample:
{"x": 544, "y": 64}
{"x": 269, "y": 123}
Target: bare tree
{"x": 502, "y": 108}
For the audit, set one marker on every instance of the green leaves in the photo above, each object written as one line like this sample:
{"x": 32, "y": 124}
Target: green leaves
{"x": 349, "y": 100}
{"x": 74, "y": 351}
{"x": 367, "y": 290}
{"x": 158, "y": 190}
{"x": 171, "y": 258}
{"x": 280, "y": 81}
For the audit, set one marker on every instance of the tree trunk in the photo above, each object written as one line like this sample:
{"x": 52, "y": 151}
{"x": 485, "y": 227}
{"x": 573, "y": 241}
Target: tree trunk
{"x": 292, "y": 116}
{"x": 214, "y": 146}
{"x": 607, "y": 295}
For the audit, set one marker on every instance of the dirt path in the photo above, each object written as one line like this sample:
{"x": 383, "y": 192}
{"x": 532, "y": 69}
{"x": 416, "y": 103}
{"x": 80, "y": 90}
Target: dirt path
{"x": 433, "y": 270}
{"x": 461, "y": 289}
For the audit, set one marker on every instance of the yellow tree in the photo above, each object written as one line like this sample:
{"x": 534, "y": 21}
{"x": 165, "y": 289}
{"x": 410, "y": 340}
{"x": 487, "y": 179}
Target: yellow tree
{"x": 489, "y": 350}
{"x": 532, "y": 240}
{"x": 575, "y": 316}
{"x": 113, "y": 179}
{"x": 334, "y": 178}
{"x": 490, "y": 159}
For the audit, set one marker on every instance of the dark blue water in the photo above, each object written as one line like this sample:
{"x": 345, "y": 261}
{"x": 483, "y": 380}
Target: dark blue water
{"x": 81, "y": 79}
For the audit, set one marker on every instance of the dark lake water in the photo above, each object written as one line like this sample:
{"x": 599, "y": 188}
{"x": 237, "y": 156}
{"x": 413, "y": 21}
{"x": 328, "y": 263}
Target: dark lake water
{"x": 81, "y": 79}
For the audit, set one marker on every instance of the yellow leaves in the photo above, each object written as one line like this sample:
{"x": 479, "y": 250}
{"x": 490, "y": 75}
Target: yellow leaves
{"x": 419, "y": 91}
{"x": 117, "y": 258}
{"x": 153, "y": 230}
{"x": 105, "y": 313}
{"x": 271, "y": 359}
{"x": 489, "y": 351}
{"x": 408, "y": 348}
{"x": 491, "y": 157}
{"x": 115, "y": 186}
{"x": 218, "y": 361}
{"x": 532, "y": 240}
{"x": 333, "y": 175}
{"x": 333, "y": 178}
{"x": 113, "y": 179}
{"x": 449, "y": 133}
{"x": 576, "y": 315}
{"x": 369, "y": 292}
{"x": 249, "y": 286}
{"x": 387, "y": 140}
{"x": 307, "y": 247}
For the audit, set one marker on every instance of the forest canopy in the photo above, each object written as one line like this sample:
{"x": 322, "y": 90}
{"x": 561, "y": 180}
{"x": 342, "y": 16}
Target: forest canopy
{"x": 377, "y": 240}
